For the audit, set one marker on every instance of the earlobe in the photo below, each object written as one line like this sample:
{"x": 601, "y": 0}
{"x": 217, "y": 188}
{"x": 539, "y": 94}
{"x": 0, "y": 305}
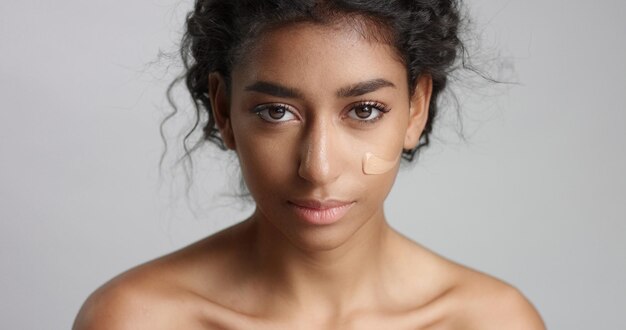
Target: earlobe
{"x": 418, "y": 111}
{"x": 220, "y": 108}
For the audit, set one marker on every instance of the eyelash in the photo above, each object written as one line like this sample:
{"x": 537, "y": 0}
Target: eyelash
{"x": 383, "y": 109}
{"x": 263, "y": 107}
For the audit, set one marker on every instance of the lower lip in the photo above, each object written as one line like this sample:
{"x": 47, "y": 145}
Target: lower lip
{"x": 321, "y": 216}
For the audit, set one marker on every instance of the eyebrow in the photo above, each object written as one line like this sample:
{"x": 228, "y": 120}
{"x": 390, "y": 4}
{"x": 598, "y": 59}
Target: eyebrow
{"x": 274, "y": 89}
{"x": 357, "y": 89}
{"x": 364, "y": 87}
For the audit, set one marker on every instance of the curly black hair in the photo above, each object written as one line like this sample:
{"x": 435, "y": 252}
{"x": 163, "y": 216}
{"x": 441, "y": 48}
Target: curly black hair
{"x": 425, "y": 34}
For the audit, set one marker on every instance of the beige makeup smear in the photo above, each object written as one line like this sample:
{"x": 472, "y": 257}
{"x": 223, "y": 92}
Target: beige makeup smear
{"x": 373, "y": 164}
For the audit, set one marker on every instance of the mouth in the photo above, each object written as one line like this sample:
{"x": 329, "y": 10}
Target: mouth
{"x": 317, "y": 212}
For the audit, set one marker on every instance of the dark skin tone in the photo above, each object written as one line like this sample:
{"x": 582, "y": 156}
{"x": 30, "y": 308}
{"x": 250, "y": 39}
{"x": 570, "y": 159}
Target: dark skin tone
{"x": 276, "y": 270}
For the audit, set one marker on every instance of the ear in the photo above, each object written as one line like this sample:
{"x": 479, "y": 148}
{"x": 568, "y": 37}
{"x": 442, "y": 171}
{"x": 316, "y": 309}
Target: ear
{"x": 220, "y": 107}
{"x": 418, "y": 111}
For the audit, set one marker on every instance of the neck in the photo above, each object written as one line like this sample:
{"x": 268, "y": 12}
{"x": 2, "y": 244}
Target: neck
{"x": 335, "y": 277}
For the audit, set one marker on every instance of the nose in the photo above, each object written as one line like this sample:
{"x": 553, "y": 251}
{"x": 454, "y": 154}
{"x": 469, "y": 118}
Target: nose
{"x": 319, "y": 157}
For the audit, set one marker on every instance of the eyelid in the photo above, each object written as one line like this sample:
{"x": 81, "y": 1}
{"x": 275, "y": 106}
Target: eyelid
{"x": 266, "y": 106}
{"x": 381, "y": 107}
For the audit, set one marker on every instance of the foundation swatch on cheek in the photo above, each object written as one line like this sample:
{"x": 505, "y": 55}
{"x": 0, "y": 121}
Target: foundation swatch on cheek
{"x": 373, "y": 164}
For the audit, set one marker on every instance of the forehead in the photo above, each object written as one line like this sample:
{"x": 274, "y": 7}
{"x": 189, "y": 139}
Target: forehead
{"x": 304, "y": 54}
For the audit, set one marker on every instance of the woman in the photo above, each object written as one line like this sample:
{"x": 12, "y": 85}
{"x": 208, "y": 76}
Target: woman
{"x": 320, "y": 100}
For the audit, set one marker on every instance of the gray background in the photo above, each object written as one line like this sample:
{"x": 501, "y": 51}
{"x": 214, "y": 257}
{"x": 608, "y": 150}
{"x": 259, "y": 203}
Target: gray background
{"x": 536, "y": 196}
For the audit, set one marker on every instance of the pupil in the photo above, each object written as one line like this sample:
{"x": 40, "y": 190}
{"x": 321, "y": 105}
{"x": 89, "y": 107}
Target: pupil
{"x": 363, "y": 112}
{"x": 276, "y": 113}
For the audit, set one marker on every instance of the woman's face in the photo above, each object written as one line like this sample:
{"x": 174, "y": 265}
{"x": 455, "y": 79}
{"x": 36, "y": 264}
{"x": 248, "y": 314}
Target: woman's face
{"x": 309, "y": 105}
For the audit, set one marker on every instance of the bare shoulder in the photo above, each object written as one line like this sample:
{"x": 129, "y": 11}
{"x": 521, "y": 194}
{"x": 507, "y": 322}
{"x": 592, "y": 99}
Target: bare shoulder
{"x": 485, "y": 302}
{"x": 459, "y": 297}
{"x": 165, "y": 293}
{"x": 133, "y": 300}
{"x": 159, "y": 294}
{"x": 115, "y": 305}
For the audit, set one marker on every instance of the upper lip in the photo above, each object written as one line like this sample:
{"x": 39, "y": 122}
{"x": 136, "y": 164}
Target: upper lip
{"x": 319, "y": 204}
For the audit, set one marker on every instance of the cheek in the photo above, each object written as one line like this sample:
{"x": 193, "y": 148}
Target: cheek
{"x": 379, "y": 156}
{"x": 265, "y": 159}
{"x": 373, "y": 164}
{"x": 380, "y": 151}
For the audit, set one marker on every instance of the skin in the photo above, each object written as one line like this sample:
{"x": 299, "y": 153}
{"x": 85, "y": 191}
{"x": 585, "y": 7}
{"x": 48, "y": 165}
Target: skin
{"x": 373, "y": 164}
{"x": 275, "y": 271}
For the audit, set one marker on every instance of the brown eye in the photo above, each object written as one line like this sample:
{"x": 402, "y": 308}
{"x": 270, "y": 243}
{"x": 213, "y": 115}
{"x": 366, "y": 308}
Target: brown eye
{"x": 274, "y": 113}
{"x": 367, "y": 112}
{"x": 363, "y": 111}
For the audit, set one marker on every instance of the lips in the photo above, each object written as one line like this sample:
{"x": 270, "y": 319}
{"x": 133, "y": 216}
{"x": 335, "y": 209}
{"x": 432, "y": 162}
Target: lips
{"x": 318, "y": 212}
